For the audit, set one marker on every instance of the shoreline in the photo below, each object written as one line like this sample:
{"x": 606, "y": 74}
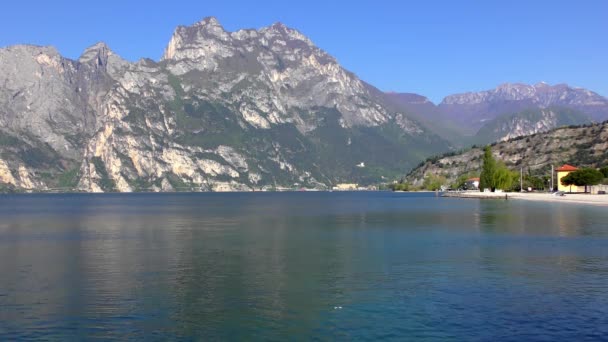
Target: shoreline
{"x": 601, "y": 200}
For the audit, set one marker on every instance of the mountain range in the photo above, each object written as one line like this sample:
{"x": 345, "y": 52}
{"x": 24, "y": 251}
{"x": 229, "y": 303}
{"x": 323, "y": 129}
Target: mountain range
{"x": 243, "y": 110}
{"x": 508, "y": 111}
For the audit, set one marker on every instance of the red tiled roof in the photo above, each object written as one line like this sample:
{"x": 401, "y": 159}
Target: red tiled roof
{"x": 567, "y": 167}
{"x": 473, "y": 179}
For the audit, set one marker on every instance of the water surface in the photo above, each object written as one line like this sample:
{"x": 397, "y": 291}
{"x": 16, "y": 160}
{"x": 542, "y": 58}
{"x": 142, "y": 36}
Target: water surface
{"x": 300, "y": 266}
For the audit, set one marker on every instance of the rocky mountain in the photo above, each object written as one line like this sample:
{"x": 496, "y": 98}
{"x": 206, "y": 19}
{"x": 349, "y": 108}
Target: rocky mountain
{"x": 508, "y": 111}
{"x": 473, "y": 110}
{"x": 583, "y": 146}
{"x": 49, "y": 108}
{"x": 220, "y": 111}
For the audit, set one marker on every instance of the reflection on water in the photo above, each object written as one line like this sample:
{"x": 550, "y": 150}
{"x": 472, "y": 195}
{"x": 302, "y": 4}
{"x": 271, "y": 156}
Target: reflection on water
{"x": 278, "y": 266}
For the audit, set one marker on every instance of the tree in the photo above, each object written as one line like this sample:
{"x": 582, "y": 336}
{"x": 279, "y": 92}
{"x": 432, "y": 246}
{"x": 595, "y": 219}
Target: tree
{"x": 583, "y": 177}
{"x": 569, "y": 180}
{"x": 503, "y": 177}
{"x": 486, "y": 179}
{"x": 604, "y": 171}
{"x": 433, "y": 182}
{"x": 535, "y": 182}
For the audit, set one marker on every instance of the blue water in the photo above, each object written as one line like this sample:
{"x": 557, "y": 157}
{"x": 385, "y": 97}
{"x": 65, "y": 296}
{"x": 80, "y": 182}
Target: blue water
{"x": 301, "y": 266}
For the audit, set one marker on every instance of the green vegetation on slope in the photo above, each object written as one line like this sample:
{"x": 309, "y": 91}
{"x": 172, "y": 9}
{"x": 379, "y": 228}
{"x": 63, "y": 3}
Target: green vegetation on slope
{"x": 106, "y": 183}
{"x": 583, "y": 146}
{"x": 68, "y": 179}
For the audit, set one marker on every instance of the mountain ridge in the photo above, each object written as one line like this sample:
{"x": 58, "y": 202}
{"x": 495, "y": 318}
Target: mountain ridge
{"x": 220, "y": 111}
{"x": 469, "y": 112}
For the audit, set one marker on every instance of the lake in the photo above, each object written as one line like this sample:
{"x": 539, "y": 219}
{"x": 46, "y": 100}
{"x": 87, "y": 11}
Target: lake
{"x": 300, "y": 266}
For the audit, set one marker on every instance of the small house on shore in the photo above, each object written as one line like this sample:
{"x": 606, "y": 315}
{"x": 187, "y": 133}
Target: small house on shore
{"x": 472, "y": 183}
{"x": 562, "y": 172}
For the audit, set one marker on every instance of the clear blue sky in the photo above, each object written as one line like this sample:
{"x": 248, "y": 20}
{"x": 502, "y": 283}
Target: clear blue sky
{"x": 434, "y": 48}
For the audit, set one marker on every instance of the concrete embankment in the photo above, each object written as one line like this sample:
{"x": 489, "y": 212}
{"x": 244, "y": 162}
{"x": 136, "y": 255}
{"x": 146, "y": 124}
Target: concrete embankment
{"x": 477, "y": 195}
{"x": 533, "y": 196}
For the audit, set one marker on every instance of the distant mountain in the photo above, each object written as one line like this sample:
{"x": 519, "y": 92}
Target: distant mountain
{"x": 473, "y": 110}
{"x": 583, "y": 146}
{"x": 220, "y": 111}
{"x": 508, "y": 111}
{"x": 429, "y": 115}
{"x": 419, "y": 106}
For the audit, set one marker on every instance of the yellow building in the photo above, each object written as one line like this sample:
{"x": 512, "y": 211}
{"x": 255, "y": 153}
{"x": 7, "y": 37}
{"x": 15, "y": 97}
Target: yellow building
{"x": 563, "y": 172}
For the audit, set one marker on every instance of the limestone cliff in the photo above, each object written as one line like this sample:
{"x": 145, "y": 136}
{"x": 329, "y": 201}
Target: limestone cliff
{"x": 220, "y": 111}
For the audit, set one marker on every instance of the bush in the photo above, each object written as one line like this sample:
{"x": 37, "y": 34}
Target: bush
{"x": 400, "y": 186}
{"x": 433, "y": 182}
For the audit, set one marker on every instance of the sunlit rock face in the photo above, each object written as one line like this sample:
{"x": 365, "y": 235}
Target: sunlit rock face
{"x": 221, "y": 111}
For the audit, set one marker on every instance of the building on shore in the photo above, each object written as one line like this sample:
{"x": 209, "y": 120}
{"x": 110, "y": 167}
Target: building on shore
{"x": 346, "y": 187}
{"x": 472, "y": 184}
{"x": 562, "y": 172}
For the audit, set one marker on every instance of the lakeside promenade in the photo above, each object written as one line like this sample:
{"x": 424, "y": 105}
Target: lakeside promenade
{"x": 533, "y": 196}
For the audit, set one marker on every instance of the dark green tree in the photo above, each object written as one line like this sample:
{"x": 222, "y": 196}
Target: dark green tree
{"x": 604, "y": 171}
{"x": 488, "y": 170}
{"x": 583, "y": 177}
{"x": 569, "y": 180}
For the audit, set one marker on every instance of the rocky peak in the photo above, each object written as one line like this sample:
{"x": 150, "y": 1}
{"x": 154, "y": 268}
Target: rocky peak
{"x": 210, "y": 21}
{"x": 97, "y": 53}
{"x": 100, "y": 56}
{"x": 198, "y": 40}
{"x": 208, "y": 35}
{"x": 274, "y": 57}
{"x": 279, "y": 28}
{"x": 211, "y": 27}
{"x": 283, "y": 32}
